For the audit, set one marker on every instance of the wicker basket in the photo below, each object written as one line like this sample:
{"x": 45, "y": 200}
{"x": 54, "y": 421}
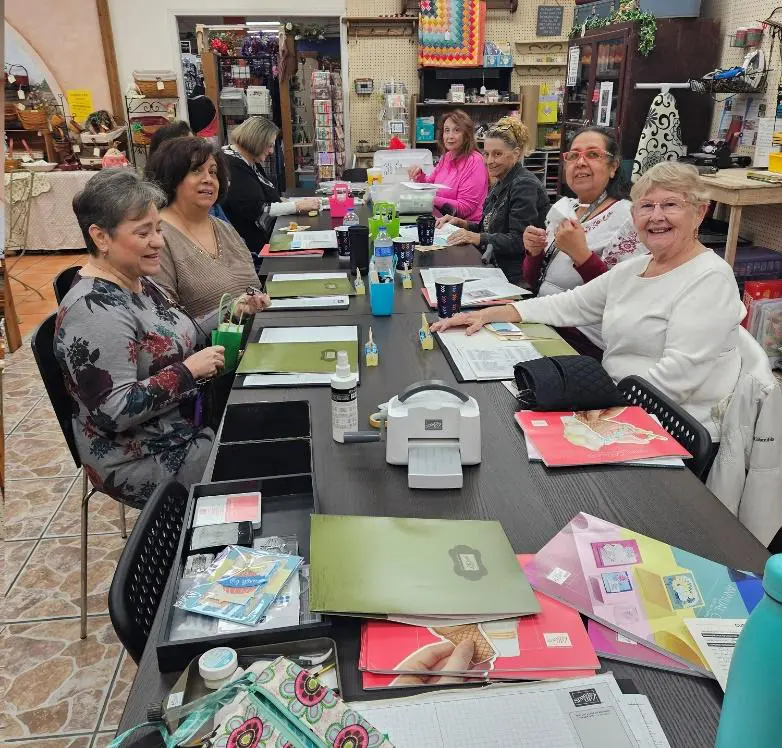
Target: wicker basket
{"x": 12, "y": 164}
{"x": 147, "y": 82}
{"x": 32, "y": 119}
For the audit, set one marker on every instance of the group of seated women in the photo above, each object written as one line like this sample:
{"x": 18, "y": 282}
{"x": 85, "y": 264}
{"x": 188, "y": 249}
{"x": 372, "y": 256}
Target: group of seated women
{"x": 132, "y": 334}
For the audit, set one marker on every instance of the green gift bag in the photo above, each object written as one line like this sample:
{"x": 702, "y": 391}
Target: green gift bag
{"x": 228, "y": 334}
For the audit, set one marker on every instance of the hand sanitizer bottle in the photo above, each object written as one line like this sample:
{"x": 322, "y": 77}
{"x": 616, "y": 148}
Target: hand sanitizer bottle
{"x": 753, "y": 700}
{"x": 344, "y": 402}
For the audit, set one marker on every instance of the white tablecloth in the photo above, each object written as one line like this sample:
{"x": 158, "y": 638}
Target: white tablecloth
{"x": 52, "y": 222}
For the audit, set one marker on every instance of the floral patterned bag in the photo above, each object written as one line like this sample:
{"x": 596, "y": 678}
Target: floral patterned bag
{"x": 277, "y": 705}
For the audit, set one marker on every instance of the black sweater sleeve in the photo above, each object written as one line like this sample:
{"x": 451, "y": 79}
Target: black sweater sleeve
{"x": 245, "y": 195}
{"x": 524, "y": 202}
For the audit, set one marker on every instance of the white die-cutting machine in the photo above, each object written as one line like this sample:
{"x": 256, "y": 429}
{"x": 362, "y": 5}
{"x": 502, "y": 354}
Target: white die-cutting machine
{"x": 434, "y": 429}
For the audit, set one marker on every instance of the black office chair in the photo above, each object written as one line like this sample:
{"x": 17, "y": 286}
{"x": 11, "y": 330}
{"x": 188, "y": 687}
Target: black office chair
{"x": 63, "y": 282}
{"x": 357, "y": 175}
{"x": 144, "y": 566}
{"x": 691, "y": 434}
{"x": 43, "y": 350}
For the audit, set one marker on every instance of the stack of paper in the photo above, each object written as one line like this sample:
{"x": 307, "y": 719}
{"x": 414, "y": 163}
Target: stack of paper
{"x": 483, "y": 286}
{"x": 550, "y": 644}
{"x": 309, "y": 290}
{"x": 447, "y": 569}
{"x": 315, "y": 240}
{"x": 648, "y": 591}
{"x": 410, "y": 234}
{"x": 613, "y": 435}
{"x": 583, "y": 713}
{"x": 298, "y": 356}
{"x": 486, "y": 357}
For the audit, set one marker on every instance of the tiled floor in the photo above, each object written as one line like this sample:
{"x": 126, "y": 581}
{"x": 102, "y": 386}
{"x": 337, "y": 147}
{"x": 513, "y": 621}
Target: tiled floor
{"x": 37, "y": 271}
{"x": 60, "y": 691}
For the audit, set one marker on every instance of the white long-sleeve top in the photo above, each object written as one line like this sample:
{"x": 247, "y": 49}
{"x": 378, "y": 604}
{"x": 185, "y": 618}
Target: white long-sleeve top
{"x": 678, "y": 331}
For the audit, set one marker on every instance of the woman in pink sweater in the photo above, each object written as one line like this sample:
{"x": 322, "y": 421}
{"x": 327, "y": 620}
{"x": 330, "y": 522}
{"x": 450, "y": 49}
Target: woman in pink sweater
{"x": 461, "y": 169}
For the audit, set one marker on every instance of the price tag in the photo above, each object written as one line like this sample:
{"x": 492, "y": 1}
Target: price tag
{"x": 11, "y": 78}
{"x": 160, "y": 85}
{"x": 76, "y": 148}
{"x": 20, "y": 94}
{"x": 96, "y": 152}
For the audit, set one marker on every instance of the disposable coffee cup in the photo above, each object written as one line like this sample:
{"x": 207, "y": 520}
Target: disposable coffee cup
{"x": 449, "y": 296}
{"x": 343, "y": 241}
{"x": 404, "y": 250}
{"x": 425, "y": 226}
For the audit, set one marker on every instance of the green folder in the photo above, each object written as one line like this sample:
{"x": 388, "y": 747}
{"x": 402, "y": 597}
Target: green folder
{"x": 296, "y": 358}
{"x": 547, "y": 341}
{"x": 283, "y": 289}
{"x": 280, "y": 242}
{"x": 387, "y": 565}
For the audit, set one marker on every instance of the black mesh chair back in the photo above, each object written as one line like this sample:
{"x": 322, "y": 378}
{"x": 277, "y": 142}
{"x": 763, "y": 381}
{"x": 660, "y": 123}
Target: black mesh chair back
{"x": 144, "y": 566}
{"x": 354, "y": 175}
{"x": 691, "y": 434}
{"x": 63, "y": 282}
{"x": 54, "y": 382}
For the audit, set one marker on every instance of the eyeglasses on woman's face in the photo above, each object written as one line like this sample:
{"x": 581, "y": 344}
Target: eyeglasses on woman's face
{"x": 590, "y": 154}
{"x": 670, "y": 207}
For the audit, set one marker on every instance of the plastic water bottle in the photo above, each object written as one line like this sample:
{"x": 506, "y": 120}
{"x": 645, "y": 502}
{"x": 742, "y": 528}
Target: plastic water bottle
{"x": 383, "y": 252}
{"x": 753, "y": 699}
{"x": 351, "y": 218}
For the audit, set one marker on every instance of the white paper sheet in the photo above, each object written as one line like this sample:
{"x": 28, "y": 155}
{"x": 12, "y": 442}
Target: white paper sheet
{"x": 423, "y": 185}
{"x": 308, "y": 302}
{"x": 337, "y": 333}
{"x": 306, "y": 276}
{"x": 314, "y": 240}
{"x": 643, "y": 721}
{"x": 441, "y": 235}
{"x": 489, "y": 290}
{"x": 763, "y": 141}
{"x": 285, "y": 380}
{"x": 578, "y": 713}
{"x": 484, "y": 357}
{"x": 430, "y": 276}
{"x": 409, "y": 233}
{"x": 716, "y": 639}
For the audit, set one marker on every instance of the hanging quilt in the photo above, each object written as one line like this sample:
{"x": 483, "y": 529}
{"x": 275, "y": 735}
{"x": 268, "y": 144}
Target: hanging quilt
{"x": 451, "y": 33}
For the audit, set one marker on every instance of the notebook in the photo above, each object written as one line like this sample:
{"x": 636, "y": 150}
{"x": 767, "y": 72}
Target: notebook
{"x": 389, "y": 565}
{"x": 641, "y": 587}
{"x": 621, "y": 434}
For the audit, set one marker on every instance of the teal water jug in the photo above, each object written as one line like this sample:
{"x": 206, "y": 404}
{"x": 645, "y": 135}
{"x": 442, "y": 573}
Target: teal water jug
{"x": 752, "y": 708}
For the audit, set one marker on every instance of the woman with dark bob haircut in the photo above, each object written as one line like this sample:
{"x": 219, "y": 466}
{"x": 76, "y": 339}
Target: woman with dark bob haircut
{"x": 202, "y": 257}
{"x": 128, "y": 355}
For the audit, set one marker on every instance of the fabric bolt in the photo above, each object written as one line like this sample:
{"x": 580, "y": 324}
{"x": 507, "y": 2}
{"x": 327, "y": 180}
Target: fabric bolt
{"x": 451, "y": 33}
{"x": 195, "y": 279}
{"x": 661, "y": 137}
{"x": 467, "y": 184}
{"x": 610, "y": 236}
{"x": 679, "y": 330}
{"x": 122, "y": 355}
{"x": 517, "y": 201}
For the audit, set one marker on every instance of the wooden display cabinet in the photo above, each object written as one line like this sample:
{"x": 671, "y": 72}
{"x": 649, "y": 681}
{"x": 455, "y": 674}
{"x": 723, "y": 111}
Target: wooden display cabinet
{"x": 686, "y": 48}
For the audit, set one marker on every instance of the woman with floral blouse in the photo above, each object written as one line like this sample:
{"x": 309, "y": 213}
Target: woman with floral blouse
{"x": 128, "y": 354}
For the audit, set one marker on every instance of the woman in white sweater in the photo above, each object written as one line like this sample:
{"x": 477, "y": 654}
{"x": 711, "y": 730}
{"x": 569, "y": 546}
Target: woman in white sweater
{"x": 671, "y": 318}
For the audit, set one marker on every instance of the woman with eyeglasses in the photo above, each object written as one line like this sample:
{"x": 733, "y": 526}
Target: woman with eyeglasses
{"x": 587, "y": 235}
{"x": 671, "y": 317}
{"x": 515, "y": 202}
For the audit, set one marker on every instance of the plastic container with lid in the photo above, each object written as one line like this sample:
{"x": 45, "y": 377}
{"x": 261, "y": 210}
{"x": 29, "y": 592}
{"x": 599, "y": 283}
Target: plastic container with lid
{"x": 217, "y": 666}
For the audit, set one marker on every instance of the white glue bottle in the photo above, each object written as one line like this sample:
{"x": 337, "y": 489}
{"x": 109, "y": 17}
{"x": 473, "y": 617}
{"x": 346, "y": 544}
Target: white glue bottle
{"x": 344, "y": 403}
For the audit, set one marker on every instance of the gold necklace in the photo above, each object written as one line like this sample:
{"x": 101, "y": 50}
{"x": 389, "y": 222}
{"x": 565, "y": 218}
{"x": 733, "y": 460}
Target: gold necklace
{"x": 190, "y": 236}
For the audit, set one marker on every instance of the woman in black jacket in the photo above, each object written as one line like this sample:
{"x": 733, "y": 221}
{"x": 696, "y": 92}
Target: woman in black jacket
{"x": 516, "y": 200}
{"x": 252, "y": 202}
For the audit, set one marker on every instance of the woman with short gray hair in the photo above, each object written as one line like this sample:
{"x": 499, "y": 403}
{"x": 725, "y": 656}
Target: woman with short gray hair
{"x": 253, "y": 203}
{"x": 671, "y": 317}
{"x": 128, "y": 355}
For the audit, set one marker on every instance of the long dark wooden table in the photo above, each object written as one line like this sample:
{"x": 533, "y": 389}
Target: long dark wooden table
{"x": 531, "y": 501}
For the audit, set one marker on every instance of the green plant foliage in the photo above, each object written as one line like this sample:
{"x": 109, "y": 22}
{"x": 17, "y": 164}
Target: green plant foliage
{"x": 647, "y": 26}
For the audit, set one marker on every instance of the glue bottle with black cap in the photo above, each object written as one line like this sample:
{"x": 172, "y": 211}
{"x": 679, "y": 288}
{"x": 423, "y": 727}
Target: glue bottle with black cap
{"x": 344, "y": 400}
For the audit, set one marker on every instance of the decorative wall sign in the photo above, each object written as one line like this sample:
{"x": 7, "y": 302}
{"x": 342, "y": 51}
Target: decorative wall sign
{"x": 549, "y": 20}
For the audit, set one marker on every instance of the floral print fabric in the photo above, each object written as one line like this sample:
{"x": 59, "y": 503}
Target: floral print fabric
{"x": 122, "y": 356}
{"x": 286, "y": 703}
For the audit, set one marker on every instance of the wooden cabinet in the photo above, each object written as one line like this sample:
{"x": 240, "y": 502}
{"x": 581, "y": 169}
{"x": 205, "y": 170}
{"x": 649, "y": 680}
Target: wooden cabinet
{"x": 608, "y": 60}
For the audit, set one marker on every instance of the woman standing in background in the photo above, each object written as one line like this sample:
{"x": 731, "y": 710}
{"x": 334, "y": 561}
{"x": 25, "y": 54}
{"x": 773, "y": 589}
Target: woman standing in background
{"x": 460, "y": 168}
